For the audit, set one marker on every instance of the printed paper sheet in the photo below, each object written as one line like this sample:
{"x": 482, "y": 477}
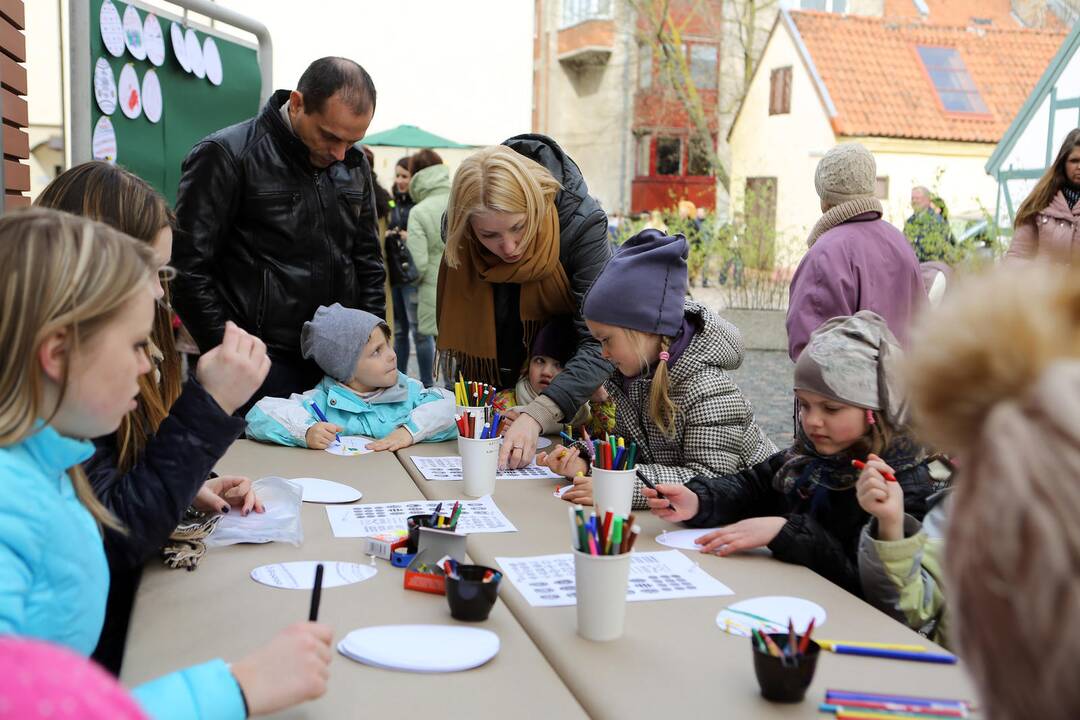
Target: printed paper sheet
{"x": 449, "y": 468}
{"x": 481, "y": 515}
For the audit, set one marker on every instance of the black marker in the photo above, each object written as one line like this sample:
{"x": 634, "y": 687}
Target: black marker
{"x": 313, "y": 613}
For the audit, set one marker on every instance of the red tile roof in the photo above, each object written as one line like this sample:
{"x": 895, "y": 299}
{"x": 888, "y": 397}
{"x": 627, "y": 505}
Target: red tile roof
{"x": 957, "y": 12}
{"x": 879, "y": 86}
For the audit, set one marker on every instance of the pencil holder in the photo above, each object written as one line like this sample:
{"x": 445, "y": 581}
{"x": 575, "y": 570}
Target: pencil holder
{"x": 613, "y": 490}
{"x": 476, "y": 412}
{"x": 600, "y": 587}
{"x": 414, "y": 523}
{"x": 780, "y": 682}
{"x": 479, "y": 463}
{"x": 469, "y": 597}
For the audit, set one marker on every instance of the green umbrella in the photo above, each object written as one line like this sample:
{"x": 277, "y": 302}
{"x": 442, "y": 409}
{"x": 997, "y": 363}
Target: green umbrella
{"x": 410, "y": 136}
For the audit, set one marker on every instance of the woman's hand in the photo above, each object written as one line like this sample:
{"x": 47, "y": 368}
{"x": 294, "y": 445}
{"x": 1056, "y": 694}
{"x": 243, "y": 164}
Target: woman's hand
{"x": 678, "y": 504}
{"x": 320, "y": 435}
{"x": 564, "y": 461}
{"x": 581, "y": 493}
{"x": 400, "y": 438}
{"x": 519, "y": 443}
{"x": 743, "y": 535}
{"x": 293, "y": 667}
{"x": 881, "y": 498}
{"x": 234, "y": 370}
{"x": 220, "y": 493}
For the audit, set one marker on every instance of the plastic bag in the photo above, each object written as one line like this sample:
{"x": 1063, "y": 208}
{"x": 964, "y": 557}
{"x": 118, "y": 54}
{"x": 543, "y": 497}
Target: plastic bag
{"x": 280, "y": 523}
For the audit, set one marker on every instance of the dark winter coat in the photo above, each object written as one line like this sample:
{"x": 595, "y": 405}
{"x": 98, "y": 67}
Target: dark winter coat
{"x": 149, "y": 499}
{"x": 265, "y": 238}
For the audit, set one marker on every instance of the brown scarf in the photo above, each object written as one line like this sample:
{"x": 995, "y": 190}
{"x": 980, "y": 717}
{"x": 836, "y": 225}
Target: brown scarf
{"x": 840, "y": 214}
{"x": 466, "y": 308}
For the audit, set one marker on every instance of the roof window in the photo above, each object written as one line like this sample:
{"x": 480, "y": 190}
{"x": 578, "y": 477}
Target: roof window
{"x": 951, "y": 79}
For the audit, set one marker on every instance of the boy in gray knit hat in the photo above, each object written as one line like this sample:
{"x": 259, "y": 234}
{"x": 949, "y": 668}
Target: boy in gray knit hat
{"x": 362, "y": 394}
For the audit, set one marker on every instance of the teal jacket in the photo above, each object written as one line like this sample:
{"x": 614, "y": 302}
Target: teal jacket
{"x": 430, "y": 190}
{"x": 428, "y": 413}
{"x": 54, "y": 578}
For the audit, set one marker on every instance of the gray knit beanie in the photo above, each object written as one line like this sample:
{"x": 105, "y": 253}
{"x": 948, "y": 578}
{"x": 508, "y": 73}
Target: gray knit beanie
{"x": 847, "y": 172}
{"x": 335, "y": 337}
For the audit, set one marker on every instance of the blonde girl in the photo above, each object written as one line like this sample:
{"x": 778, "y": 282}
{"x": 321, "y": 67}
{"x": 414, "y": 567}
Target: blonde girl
{"x": 671, "y": 388}
{"x": 77, "y": 311}
{"x": 524, "y": 241}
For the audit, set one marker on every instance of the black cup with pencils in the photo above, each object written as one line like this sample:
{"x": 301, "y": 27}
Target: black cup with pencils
{"x": 471, "y": 590}
{"x": 784, "y": 664}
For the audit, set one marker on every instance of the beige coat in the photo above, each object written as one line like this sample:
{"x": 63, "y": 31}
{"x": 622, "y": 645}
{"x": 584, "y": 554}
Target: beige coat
{"x": 1053, "y": 234}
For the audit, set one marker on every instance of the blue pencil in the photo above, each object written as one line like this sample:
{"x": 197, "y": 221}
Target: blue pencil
{"x": 834, "y": 695}
{"x": 944, "y": 658}
{"x": 319, "y": 414}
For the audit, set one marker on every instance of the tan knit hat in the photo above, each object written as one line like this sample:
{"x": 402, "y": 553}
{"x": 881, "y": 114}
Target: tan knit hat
{"x": 847, "y": 172}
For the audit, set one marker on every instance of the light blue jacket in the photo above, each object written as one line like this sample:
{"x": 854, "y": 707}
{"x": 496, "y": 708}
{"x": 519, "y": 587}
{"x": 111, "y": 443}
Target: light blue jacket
{"x": 428, "y": 413}
{"x": 54, "y": 577}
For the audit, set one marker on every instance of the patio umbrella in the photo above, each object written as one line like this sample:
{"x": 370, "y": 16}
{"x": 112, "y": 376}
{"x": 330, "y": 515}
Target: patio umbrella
{"x": 410, "y": 136}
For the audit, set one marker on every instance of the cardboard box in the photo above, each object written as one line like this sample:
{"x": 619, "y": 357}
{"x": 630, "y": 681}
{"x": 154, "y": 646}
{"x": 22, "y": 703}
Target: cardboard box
{"x": 423, "y": 574}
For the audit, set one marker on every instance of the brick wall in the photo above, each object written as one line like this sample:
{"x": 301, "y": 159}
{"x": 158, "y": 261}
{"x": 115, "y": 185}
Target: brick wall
{"x": 14, "y": 140}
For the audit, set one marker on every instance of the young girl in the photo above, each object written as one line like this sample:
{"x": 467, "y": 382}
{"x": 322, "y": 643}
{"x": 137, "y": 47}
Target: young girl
{"x": 551, "y": 349}
{"x": 801, "y": 503}
{"x": 363, "y": 392}
{"x": 672, "y": 392}
{"x": 78, "y": 309}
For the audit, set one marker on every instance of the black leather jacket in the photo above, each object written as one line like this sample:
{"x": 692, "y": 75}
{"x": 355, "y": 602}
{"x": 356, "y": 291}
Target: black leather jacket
{"x": 264, "y": 238}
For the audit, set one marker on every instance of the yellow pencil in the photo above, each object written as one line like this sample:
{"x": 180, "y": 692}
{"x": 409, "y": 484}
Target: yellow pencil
{"x": 829, "y": 644}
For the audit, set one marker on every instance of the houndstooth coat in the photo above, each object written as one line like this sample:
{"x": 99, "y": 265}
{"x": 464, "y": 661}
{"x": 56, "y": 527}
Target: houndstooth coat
{"x": 715, "y": 432}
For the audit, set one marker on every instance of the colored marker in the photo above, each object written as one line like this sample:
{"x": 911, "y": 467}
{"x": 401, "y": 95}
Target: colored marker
{"x": 319, "y": 414}
{"x": 859, "y": 465}
{"x": 316, "y": 591}
{"x": 943, "y": 658}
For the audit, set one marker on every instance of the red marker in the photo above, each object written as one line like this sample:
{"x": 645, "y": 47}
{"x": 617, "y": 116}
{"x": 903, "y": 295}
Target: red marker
{"x": 859, "y": 465}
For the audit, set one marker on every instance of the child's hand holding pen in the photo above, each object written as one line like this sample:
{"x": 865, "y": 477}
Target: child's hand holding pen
{"x": 321, "y": 434}
{"x": 581, "y": 493}
{"x": 880, "y": 495}
{"x": 564, "y": 461}
{"x": 678, "y": 503}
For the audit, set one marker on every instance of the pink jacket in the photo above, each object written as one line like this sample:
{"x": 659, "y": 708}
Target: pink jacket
{"x": 1053, "y": 234}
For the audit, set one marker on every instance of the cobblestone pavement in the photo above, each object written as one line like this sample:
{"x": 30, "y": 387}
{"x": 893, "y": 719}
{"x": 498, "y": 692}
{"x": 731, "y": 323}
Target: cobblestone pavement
{"x": 765, "y": 379}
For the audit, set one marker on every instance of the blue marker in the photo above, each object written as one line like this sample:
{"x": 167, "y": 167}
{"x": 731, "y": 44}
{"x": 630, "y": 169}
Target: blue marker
{"x": 319, "y": 414}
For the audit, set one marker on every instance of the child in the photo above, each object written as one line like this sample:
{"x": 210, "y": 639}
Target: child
{"x": 363, "y": 392}
{"x": 551, "y": 349}
{"x": 801, "y": 502}
{"x": 78, "y": 311}
{"x": 671, "y": 389}
{"x": 995, "y": 378}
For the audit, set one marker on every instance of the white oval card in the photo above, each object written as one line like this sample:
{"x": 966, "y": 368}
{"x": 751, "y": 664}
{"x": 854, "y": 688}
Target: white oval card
{"x": 301, "y": 575}
{"x": 770, "y": 614}
{"x": 317, "y": 490}
{"x": 421, "y": 648}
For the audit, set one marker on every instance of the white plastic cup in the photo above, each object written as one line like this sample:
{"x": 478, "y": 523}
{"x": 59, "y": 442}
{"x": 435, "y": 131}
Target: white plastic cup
{"x": 476, "y": 412}
{"x": 613, "y": 490}
{"x": 479, "y": 463}
{"x": 601, "y": 582}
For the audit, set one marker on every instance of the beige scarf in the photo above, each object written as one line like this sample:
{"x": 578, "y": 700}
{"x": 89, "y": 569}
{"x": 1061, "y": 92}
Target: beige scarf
{"x": 840, "y": 214}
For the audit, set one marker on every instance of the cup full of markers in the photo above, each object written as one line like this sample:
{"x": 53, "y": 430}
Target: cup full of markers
{"x": 474, "y": 399}
{"x": 602, "y": 550}
{"x": 613, "y": 474}
{"x": 478, "y": 446}
{"x": 784, "y": 663}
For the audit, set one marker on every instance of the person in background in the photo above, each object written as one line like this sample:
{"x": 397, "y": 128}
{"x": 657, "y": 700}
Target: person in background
{"x": 429, "y": 189}
{"x": 928, "y": 227}
{"x": 394, "y": 242}
{"x": 856, "y": 260}
{"x": 1048, "y": 221}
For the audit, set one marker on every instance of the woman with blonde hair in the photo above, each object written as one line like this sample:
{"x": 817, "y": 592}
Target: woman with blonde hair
{"x": 1048, "y": 221}
{"x": 159, "y": 460}
{"x": 995, "y": 379}
{"x": 78, "y": 311}
{"x": 524, "y": 241}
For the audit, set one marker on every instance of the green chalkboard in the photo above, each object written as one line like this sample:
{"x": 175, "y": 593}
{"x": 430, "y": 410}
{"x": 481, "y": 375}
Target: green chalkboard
{"x": 192, "y": 108}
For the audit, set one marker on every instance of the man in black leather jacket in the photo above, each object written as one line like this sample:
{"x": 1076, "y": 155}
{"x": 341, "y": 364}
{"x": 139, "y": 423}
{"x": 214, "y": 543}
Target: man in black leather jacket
{"x": 276, "y": 216}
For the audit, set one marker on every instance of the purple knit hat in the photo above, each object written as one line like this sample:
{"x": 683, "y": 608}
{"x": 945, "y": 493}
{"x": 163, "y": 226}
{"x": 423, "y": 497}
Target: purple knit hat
{"x": 644, "y": 286}
{"x": 556, "y": 340}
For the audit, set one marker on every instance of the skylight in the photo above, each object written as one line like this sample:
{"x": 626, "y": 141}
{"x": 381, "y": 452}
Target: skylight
{"x": 953, "y": 83}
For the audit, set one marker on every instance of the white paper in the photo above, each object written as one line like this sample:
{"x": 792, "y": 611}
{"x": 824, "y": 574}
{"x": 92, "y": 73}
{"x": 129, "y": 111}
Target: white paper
{"x": 151, "y": 96}
{"x": 449, "y": 468}
{"x": 104, "y": 86}
{"x": 317, "y": 490}
{"x": 133, "y": 37}
{"x": 773, "y": 612}
{"x": 350, "y": 445}
{"x": 548, "y": 580}
{"x": 421, "y": 648}
{"x": 129, "y": 92}
{"x": 542, "y": 442}
{"x": 104, "y": 141}
{"x": 112, "y": 30}
{"x": 477, "y": 516}
{"x": 179, "y": 46}
{"x": 194, "y": 54}
{"x": 560, "y": 491}
{"x": 301, "y": 575}
{"x": 683, "y": 539}
{"x": 211, "y": 61}
{"x": 153, "y": 40}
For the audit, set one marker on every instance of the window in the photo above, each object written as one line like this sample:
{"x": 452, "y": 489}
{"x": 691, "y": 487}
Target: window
{"x": 697, "y": 161}
{"x": 703, "y": 66}
{"x": 881, "y": 188}
{"x": 780, "y": 91}
{"x": 643, "y": 155}
{"x": 668, "y": 156}
{"x": 951, "y": 80}
{"x": 644, "y": 73}
{"x": 578, "y": 11}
